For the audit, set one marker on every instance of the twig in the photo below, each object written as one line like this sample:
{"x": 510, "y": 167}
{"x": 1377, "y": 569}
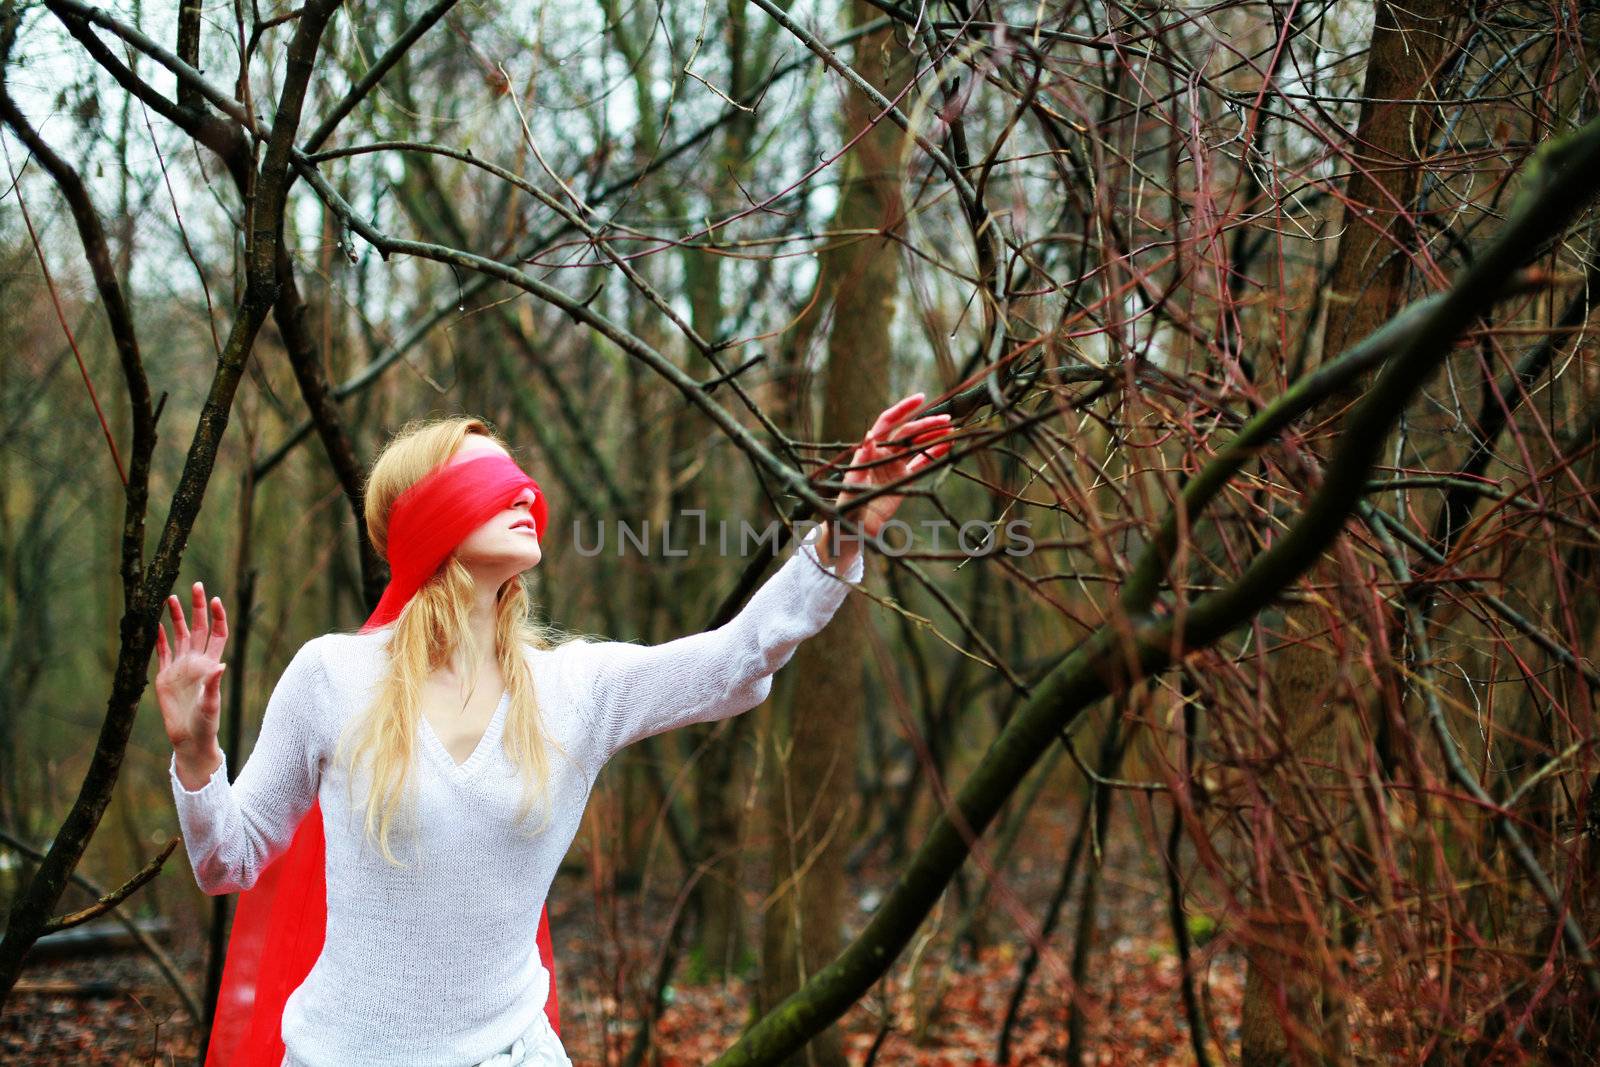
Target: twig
{"x": 110, "y": 900}
{"x": 1422, "y": 665}
{"x": 163, "y": 962}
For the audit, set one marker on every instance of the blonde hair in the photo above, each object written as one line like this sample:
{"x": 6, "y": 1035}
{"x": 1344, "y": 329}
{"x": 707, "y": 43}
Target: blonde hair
{"x": 432, "y": 625}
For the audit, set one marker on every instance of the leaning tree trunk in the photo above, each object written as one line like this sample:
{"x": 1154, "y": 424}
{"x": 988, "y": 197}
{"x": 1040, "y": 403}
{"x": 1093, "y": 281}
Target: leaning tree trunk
{"x": 814, "y": 745}
{"x": 1290, "y": 956}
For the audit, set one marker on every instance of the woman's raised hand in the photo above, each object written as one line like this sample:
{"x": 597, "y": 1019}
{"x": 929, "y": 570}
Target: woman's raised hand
{"x": 877, "y": 462}
{"x": 189, "y": 684}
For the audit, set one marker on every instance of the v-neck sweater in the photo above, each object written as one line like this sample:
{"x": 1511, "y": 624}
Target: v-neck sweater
{"x": 434, "y": 963}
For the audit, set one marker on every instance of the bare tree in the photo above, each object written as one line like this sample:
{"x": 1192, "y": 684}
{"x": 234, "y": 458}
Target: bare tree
{"x": 1267, "y": 322}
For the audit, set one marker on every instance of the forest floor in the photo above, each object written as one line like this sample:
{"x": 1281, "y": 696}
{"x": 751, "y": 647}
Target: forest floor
{"x": 115, "y": 1009}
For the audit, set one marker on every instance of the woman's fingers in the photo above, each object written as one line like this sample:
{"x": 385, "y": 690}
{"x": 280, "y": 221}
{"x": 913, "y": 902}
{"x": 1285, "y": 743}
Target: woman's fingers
{"x": 891, "y": 425}
{"x": 918, "y": 428}
{"x": 906, "y": 409}
{"x": 206, "y": 632}
{"x": 214, "y": 682}
{"x": 219, "y": 628}
{"x": 200, "y": 628}
{"x": 898, "y": 412}
{"x": 853, "y": 470}
{"x": 883, "y": 453}
{"x": 903, "y": 405}
{"x": 917, "y": 447}
{"x": 894, "y": 413}
{"x": 180, "y": 627}
{"x": 922, "y": 459}
{"x": 892, "y": 449}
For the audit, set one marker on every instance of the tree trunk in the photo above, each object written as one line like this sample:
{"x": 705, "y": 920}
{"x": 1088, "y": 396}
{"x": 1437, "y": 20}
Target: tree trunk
{"x": 1290, "y": 957}
{"x": 718, "y": 898}
{"x": 814, "y": 746}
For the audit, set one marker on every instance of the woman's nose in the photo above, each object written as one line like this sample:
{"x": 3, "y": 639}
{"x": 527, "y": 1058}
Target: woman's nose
{"x": 524, "y": 497}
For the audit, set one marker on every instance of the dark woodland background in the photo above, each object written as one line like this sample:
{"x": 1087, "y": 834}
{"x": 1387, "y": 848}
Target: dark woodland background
{"x": 1270, "y": 320}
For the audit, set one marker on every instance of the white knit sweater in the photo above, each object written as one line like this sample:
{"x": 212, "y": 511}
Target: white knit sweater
{"x": 434, "y": 963}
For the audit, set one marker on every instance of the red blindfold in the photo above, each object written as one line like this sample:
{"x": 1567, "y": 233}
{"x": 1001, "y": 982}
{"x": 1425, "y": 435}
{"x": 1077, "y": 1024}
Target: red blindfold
{"x": 437, "y": 513}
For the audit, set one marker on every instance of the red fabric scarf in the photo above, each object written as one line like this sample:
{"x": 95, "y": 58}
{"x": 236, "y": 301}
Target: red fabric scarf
{"x": 279, "y": 923}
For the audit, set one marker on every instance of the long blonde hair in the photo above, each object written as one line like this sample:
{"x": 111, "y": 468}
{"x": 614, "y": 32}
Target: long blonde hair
{"x": 434, "y": 622}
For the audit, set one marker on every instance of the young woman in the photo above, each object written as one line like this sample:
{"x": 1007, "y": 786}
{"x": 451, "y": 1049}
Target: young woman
{"x": 440, "y": 758}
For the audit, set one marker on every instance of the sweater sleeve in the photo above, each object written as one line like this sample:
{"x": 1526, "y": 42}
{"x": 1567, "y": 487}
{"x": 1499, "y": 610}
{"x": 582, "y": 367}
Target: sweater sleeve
{"x": 232, "y": 831}
{"x": 636, "y": 691}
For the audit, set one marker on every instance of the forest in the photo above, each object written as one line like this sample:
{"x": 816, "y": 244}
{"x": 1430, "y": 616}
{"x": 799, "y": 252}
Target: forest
{"x": 1226, "y": 695}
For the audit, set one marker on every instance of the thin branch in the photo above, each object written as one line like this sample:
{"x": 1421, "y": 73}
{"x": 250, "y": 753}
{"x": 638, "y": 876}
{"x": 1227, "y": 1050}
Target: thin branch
{"x": 1421, "y": 663}
{"x": 385, "y": 63}
{"x": 110, "y": 900}
{"x": 157, "y": 954}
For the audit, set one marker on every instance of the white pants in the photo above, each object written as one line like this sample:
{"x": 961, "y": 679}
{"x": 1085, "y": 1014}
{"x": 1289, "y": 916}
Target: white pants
{"x": 537, "y": 1047}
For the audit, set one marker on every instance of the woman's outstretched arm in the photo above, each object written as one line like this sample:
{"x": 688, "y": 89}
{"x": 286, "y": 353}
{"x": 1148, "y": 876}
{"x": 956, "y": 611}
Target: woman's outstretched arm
{"x": 232, "y": 831}
{"x": 636, "y": 691}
